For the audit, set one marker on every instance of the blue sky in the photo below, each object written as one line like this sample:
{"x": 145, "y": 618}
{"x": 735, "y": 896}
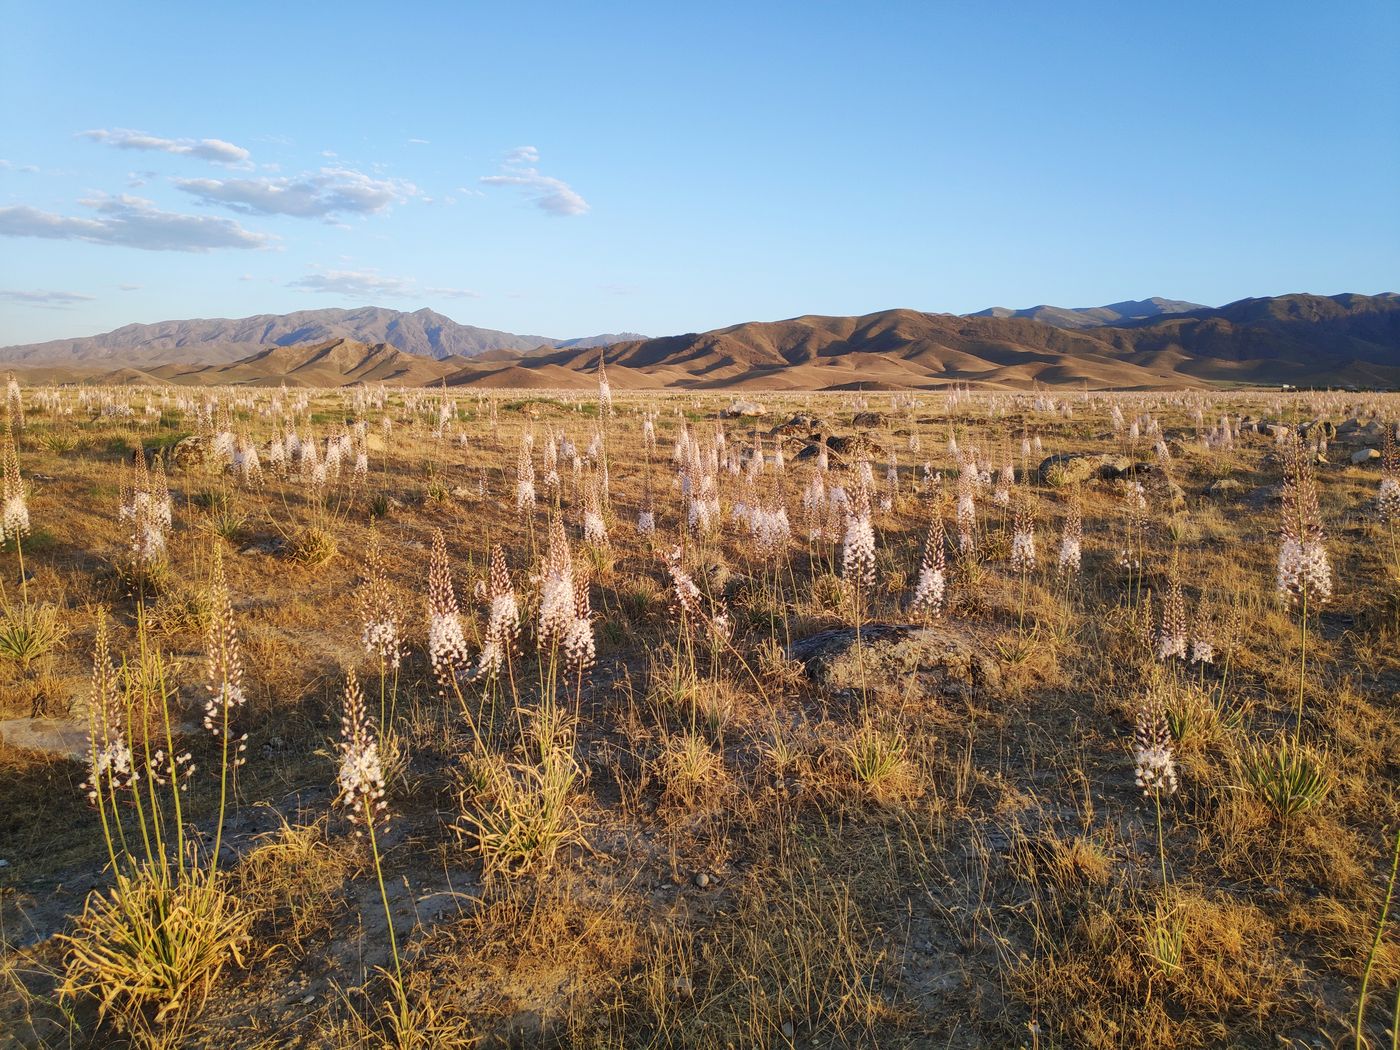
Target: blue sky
{"x": 566, "y": 169}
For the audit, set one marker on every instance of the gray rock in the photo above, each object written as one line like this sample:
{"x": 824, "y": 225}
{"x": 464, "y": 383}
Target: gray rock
{"x": 1365, "y": 455}
{"x": 898, "y": 661}
{"x": 868, "y": 420}
{"x": 1224, "y": 487}
{"x": 49, "y": 735}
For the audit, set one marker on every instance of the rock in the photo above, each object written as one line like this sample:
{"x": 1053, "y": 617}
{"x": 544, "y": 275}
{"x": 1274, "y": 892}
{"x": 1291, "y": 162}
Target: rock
{"x": 799, "y": 424}
{"x": 1364, "y": 455}
{"x": 898, "y": 661}
{"x": 1074, "y": 468}
{"x": 1266, "y": 494}
{"x": 837, "y": 445}
{"x": 192, "y": 451}
{"x": 1353, "y": 432}
{"x": 868, "y": 420}
{"x": 702, "y": 880}
{"x": 49, "y": 735}
{"x": 1172, "y": 494}
{"x": 1224, "y": 487}
{"x": 739, "y": 408}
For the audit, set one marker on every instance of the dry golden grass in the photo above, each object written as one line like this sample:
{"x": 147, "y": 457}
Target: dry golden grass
{"x": 702, "y": 841}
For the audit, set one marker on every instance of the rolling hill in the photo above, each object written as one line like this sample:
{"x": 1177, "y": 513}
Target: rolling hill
{"x": 1301, "y": 339}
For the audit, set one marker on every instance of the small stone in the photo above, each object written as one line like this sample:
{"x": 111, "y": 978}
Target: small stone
{"x": 307, "y": 1000}
{"x": 788, "y": 1030}
{"x": 1224, "y": 487}
{"x": 702, "y": 880}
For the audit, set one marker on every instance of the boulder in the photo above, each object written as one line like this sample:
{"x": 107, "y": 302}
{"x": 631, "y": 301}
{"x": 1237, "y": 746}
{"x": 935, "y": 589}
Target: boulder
{"x": 799, "y": 424}
{"x": 1353, "y": 432}
{"x": 740, "y": 408}
{"x": 1075, "y": 467}
{"x": 868, "y": 420}
{"x": 190, "y": 452}
{"x": 898, "y": 662}
{"x": 1364, "y": 455}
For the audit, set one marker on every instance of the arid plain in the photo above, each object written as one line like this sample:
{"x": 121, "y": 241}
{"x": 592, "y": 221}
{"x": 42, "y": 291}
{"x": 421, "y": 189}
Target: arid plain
{"x": 440, "y": 717}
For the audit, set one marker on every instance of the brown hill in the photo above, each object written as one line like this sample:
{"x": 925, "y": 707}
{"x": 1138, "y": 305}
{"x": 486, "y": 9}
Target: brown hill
{"x": 1302, "y": 339}
{"x": 337, "y": 362}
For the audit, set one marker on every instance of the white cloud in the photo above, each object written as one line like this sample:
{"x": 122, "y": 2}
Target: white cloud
{"x": 331, "y": 191}
{"x": 216, "y": 150}
{"x": 418, "y": 142}
{"x": 129, "y": 287}
{"x": 370, "y": 285}
{"x": 356, "y": 284}
{"x": 44, "y": 298}
{"x": 545, "y": 192}
{"x": 131, "y": 222}
{"x": 9, "y": 165}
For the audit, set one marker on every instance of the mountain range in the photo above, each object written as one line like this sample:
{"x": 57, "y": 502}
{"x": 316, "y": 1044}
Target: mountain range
{"x": 1303, "y": 339}
{"x": 1094, "y": 316}
{"x": 220, "y": 340}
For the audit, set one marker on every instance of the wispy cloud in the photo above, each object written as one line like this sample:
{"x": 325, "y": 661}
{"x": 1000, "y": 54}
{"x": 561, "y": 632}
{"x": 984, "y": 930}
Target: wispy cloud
{"x": 547, "y": 193}
{"x": 9, "y": 165}
{"x": 369, "y": 285}
{"x": 328, "y": 192}
{"x": 356, "y": 284}
{"x": 418, "y": 142}
{"x": 130, "y": 287}
{"x": 131, "y": 222}
{"x": 44, "y": 298}
{"x": 216, "y": 150}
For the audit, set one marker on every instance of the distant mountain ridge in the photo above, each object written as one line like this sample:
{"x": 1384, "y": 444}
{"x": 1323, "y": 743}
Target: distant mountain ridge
{"x": 1095, "y": 316}
{"x": 221, "y": 340}
{"x": 1302, "y": 339}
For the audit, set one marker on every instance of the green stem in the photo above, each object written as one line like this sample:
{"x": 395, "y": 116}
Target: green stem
{"x": 1302, "y": 665}
{"x": 1375, "y": 946}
